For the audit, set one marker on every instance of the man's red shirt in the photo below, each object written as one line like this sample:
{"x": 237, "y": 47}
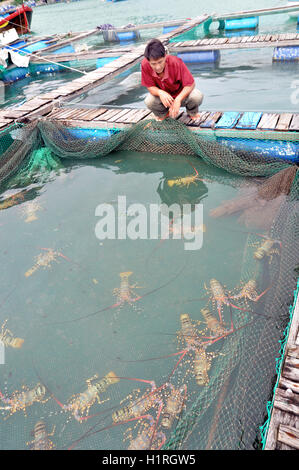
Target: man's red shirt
{"x": 176, "y": 76}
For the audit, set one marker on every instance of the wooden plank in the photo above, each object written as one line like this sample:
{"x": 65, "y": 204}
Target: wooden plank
{"x": 259, "y": 12}
{"x": 291, "y": 373}
{"x": 14, "y": 113}
{"x": 50, "y": 95}
{"x": 294, "y": 126}
{"x": 129, "y": 118}
{"x": 228, "y": 120}
{"x": 288, "y": 385}
{"x": 288, "y": 407}
{"x": 77, "y": 112}
{"x": 201, "y": 118}
{"x": 288, "y": 435}
{"x": 293, "y": 351}
{"x": 249, "y": 120}
{"x": 284, "y": 122}
{"x": 185, "y": 119}
{"x": 268, "y": 121}
{"x": 66, "y": 114}
{"x": 211, "y": 120}
{"x": 73, "y": 114}
{"x": 92, "y": 114}
{"x": 105, "y": 116}
{"x": 261, "y": 37}
{"x": 121, "y": 114}
{"x": 33, "y": 104}
{"x": 142, "y": 113}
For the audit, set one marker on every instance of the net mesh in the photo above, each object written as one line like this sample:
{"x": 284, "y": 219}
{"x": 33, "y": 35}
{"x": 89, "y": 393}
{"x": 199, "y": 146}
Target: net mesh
{"x": 234, "y": 365}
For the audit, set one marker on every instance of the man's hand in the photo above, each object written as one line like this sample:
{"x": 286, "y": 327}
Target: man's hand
{"x": 166, "y": 99}
{"x": 175, "y": 108}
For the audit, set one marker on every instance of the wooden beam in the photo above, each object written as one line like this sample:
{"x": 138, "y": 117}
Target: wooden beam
{"x": 288, "y": 435}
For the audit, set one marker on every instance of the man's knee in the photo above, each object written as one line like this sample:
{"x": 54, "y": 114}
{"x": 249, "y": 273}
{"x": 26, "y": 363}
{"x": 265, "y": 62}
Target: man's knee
{"x": 196, "y": 97}
{"x": 152, "y": 101}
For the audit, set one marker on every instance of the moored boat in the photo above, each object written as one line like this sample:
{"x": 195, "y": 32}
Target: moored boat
{"x": 18, "y": 18}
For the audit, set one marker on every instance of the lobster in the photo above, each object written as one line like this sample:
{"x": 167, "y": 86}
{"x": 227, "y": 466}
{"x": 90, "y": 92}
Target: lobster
{"x": 267, "y": 249}
{"x": 249, "y": 291}
{"x": 174, "y": 405}
{"x": 8, "y": 339}
{"x": 21, "y": 400}
{"x": 41, "y": 439}
{"x": 44, "y": 260}
{"x": 148, "y": 438}
{"x": 185, "y": 180}
{"x": 80, "y": 404}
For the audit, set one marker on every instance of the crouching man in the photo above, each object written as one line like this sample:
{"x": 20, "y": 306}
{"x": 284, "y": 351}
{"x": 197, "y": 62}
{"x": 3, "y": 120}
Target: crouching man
{"x": 169, "y": 82}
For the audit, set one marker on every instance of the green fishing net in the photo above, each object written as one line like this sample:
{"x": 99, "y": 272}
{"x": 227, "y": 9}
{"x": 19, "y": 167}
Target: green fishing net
{"x": 235, "y": 366}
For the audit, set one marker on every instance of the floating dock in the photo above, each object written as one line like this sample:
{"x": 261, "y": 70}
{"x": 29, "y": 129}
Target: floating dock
{"x": 283, "y": 431}
{"x": 237, "y": 42}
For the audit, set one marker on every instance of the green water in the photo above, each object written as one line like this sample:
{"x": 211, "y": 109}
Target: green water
{"x": 61, "y": 308}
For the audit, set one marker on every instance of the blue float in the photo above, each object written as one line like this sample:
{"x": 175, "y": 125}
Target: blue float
{"x": 280, "y": 149}
{"x": 228, "y": 120}
{"x": 242, "y": 23}
{"x": 91, "y": 134}
{"x": 200, "y": 57}
{"x": 14, "y": 74}
{"x": 45, "y": 68}
{"x": 289, "y": 53}
{"x": 36, "y": 46}
{"x": 129, "y": 36}
{"x": 101, "y": 61}
{"x": 167, "y": 29}
{"x": 63, "y": 50}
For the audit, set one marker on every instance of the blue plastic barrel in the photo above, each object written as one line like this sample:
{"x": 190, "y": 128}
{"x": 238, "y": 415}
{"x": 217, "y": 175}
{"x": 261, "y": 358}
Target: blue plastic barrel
{"x": 279, "y": 149}
{"x": 200, "y": 57}
{"x": 13, "y": 74}
{"x": 288, "y": 53}
{"x": 101, "y": 61}
{"x": 47, "y": 67}
{"x": 91, "y": 134}
{"x": 242, "y": 23}
{"x": 37, "y": 46}
{"x": 167, "y": 29}
{"x": 64, "y": 49}
{"x": 129, "y": 36}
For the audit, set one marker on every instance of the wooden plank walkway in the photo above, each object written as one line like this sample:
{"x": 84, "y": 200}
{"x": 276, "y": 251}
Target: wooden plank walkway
{"x": 44, "y": 103}
{"x": 237, "y": 42}
{"x": 283, "y": 431}
{"x": 288, "y": 8}
{"x": 75, "y": 37}
{"x": 122, "y": 117}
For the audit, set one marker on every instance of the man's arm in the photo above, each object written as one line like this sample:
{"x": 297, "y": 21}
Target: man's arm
{"x": 166, "y": 99}
{"x": 175, "y": 107}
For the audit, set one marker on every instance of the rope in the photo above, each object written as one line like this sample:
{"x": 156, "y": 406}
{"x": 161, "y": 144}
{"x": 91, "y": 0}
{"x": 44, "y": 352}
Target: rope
{"x": 47, "y": 60}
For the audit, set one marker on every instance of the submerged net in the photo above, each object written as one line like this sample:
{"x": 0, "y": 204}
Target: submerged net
{"x": 215, "y": 396}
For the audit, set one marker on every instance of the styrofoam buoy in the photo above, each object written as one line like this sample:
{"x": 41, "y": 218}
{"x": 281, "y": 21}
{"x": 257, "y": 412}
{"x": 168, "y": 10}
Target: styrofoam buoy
{"x": 129, "y": 36}
{"x": 286, "y": 54}
{"x": 167, "y": 29}
{"x": 200, "y": 56}
{"x": 14, "y": 74}
{"x": 101, "y": 61}
{"x": 242, "y": 23}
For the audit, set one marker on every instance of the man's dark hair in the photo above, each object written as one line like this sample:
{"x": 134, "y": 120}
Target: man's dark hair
{"x": 154, "y": 50}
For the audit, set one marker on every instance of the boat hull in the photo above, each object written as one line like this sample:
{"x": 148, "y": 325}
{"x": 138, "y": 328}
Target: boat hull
{"x": 20, "y": 19}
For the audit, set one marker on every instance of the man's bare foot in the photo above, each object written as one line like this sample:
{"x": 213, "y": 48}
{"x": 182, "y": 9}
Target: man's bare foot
{"x": 196, "y": 116}
{"x": 161, "y": 118}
